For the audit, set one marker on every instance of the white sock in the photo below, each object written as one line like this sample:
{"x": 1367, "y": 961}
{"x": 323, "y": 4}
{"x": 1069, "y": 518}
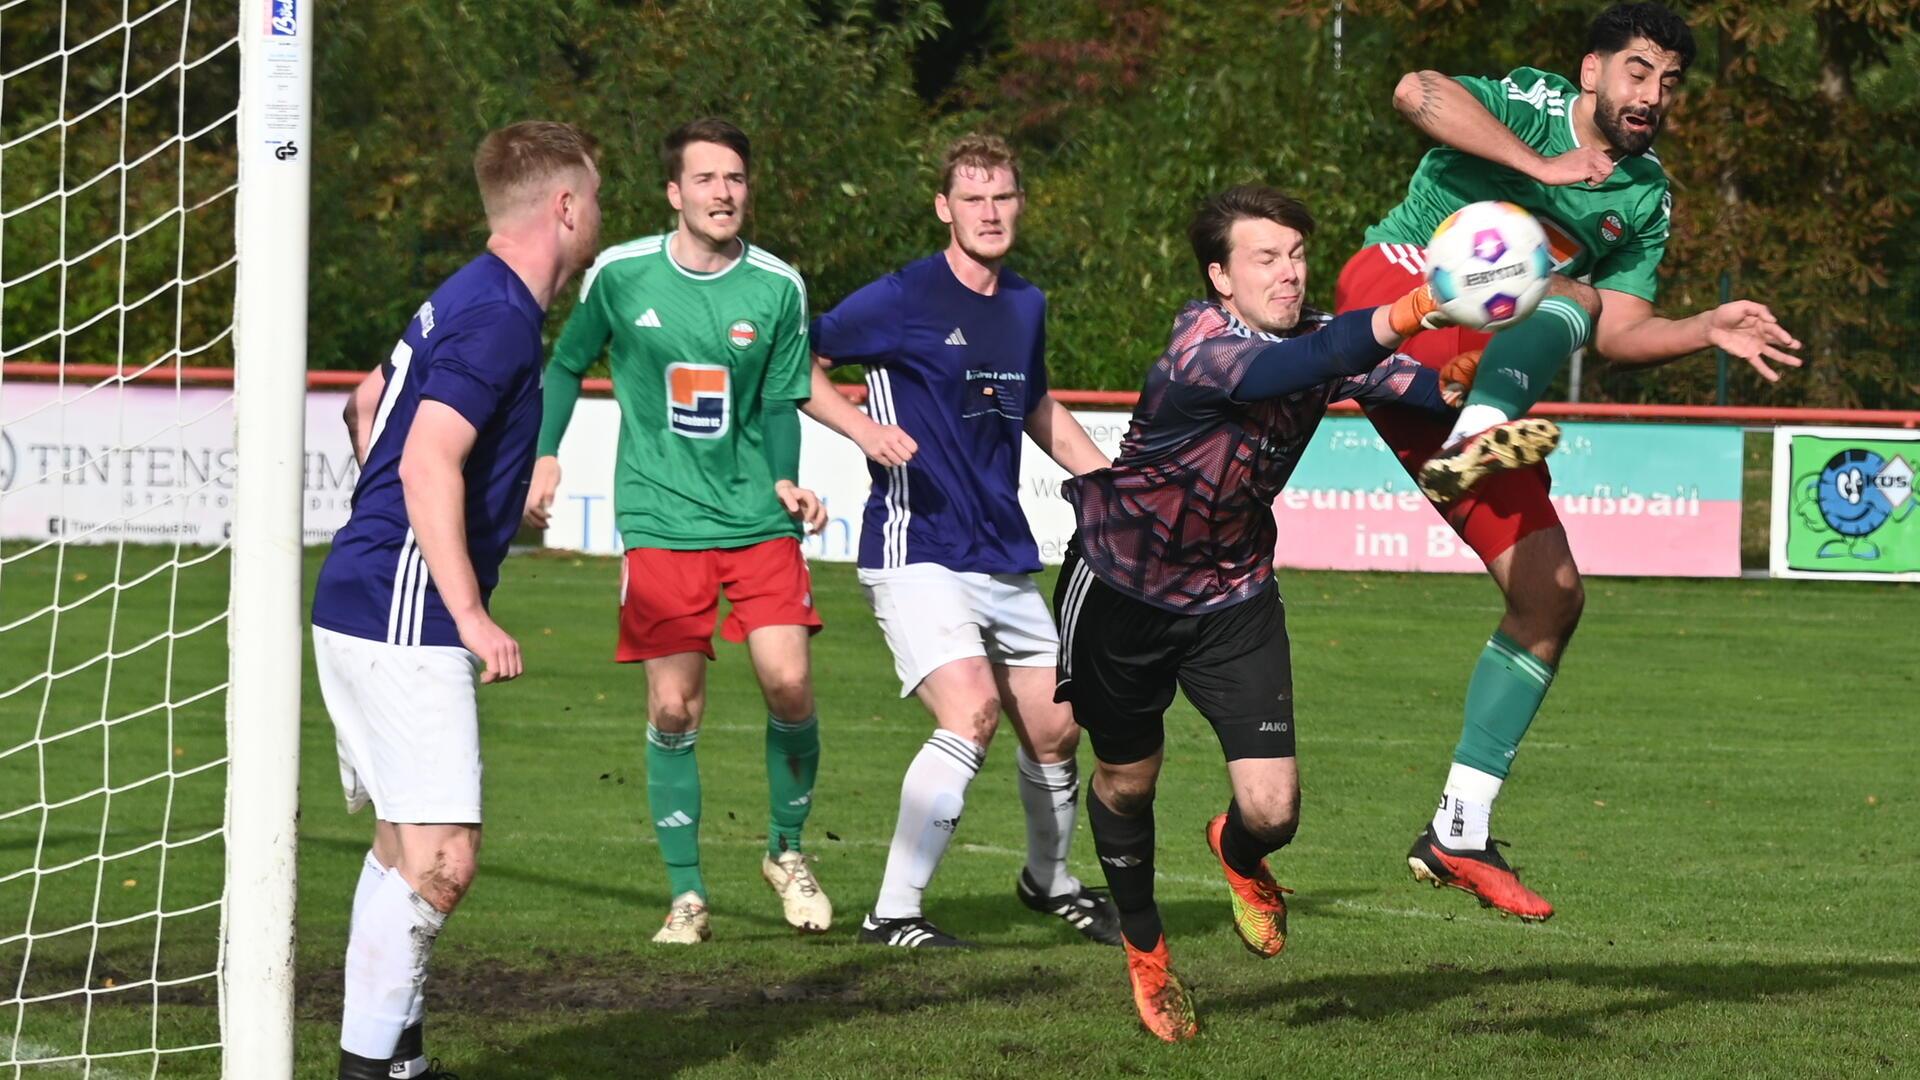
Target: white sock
{"x": 387, "y": 952}
{"x": 1466, "y": 804}
{"x": 1050, "y": 794}
{"x": 931, "y": 798}
{"x": 370, "y": 874}
{"x": 1473, "y": 420}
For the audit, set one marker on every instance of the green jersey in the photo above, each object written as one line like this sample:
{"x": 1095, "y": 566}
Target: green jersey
{"x": 1616, "y": 232}
{"x": 694, "y": 358}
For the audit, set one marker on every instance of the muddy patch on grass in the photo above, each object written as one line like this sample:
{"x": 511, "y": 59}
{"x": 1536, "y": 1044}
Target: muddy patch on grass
{"x": 629, "y": 984}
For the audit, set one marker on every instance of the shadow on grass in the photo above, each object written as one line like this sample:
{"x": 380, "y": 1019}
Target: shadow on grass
{"x": 640, "y": 1022}
{"x": 1633, "y": 993}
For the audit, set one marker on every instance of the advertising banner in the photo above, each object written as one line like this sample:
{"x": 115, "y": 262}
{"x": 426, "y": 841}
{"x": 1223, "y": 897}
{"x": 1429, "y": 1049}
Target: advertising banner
{"x": 147, "y": 464}
{"x": 1843, "y": 504}
{"x": 150, "y": 464}
{"x": 1656, "y": 499}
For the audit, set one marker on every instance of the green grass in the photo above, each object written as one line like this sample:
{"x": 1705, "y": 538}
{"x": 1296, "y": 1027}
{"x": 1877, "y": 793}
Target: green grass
{"x": 1718, "y": 798}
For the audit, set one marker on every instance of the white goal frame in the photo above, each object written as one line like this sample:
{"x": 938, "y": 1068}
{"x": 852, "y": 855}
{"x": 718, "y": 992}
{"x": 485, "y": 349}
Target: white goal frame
{"x": 265, "y": 627}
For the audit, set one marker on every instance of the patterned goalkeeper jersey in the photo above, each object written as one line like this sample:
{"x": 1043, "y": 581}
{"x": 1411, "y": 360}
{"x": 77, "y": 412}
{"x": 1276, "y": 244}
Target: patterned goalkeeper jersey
{"x": 1183, "y": 518}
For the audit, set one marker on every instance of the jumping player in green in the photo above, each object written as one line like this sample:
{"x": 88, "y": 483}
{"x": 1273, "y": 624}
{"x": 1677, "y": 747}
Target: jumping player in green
{"x": 1579, "y": 157}
{"x": 710, "y": 361}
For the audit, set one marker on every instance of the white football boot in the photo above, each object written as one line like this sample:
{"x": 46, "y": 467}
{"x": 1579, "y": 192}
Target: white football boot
{"x": 806, "y": 905}
{"x": 686, "y": 922}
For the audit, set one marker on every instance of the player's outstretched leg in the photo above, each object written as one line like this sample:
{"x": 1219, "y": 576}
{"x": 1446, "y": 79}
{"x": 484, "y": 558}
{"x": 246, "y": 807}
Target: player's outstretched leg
{"x": 1125, "y": 843}
{"x": 1514, "y": 372}
{"x": 1505, "y": 446}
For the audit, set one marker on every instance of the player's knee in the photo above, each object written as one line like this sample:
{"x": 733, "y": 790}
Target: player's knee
{"x": 1577, "y": 291}
{"x": 1054, "y": 743}
{"x": 1125, "y": 793}
{"x": 674, "y": 712}
{"x": 448, "y": 875}
{"x": 789, "y": 697}
{"x": 1273, "y": 821}
{"x": 1276, "y": 828}
{"x": 983, "y": 720}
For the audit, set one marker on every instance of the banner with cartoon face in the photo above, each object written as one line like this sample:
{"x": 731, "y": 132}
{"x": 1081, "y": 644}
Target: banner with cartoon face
{"x": 1843, "y": 504}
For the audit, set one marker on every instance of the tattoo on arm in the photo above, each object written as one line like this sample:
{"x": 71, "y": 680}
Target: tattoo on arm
{"x": 1429, "y": 98}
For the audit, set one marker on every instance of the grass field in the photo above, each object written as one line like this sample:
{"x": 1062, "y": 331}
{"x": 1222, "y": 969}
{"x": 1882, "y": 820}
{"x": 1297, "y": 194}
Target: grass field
{"x": 1718, "y": 798}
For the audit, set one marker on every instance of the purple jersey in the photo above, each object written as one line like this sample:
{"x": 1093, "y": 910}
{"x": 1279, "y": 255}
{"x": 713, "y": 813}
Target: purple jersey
{"x": 475, "y": 347}
{"x": 959, "y": 372}
{"x": 1183, "y": 519}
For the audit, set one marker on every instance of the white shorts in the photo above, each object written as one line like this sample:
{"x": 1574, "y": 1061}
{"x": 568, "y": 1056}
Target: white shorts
{"x": 406, "y": 727}
{"x": 932, "y": 616}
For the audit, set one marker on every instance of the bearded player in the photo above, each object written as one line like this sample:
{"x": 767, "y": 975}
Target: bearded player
{"x": 1169, "y": 581}
{"x": 708, "y": 337}
{"x": 1580, "y": 159}
{"x": 444, "y": 432}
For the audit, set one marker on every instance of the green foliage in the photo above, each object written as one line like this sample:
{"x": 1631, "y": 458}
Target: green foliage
{"x": 838, "y": 135}
{"x": 1789, "y": 148}
{"x": 118, "y": 236}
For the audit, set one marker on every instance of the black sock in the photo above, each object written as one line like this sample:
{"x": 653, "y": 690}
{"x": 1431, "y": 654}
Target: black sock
{"x": 355, "y": 1067}
{"x": 1125, "y": 847}
{"x": 413, "y": 1044}
{"x": 1240, "y": 848}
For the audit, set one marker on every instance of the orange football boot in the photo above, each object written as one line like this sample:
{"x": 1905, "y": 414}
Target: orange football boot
{"x": 1259, "y": 909}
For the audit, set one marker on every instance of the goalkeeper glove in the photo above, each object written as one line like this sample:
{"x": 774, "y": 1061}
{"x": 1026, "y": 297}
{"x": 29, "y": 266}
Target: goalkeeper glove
{"x": 1456, "y": 377}
{"x": 1417, "y": 311}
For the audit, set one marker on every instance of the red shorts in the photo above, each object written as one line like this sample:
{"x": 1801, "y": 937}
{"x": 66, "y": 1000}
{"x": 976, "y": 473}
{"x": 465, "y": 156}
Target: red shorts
{"x": 1500, "y": 510}
{"x": 670, "y": 599}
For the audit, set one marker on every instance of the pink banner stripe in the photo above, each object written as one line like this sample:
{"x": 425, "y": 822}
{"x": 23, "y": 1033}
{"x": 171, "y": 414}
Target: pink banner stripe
{"x": 1702, "y": 539}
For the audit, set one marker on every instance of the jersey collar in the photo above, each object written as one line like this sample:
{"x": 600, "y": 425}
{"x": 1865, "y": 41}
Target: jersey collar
{"x": 666, "y": 249}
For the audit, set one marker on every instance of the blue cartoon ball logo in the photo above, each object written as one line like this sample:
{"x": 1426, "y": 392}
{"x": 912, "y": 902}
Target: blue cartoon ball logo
{"x": 1853, "y": 496}
{"x": 1851, "y": 500}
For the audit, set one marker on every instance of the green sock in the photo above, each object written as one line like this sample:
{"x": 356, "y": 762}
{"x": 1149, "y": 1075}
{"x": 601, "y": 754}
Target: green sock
{"x": 673, "y": 799}
{"x": 793, "y": 760}
{"x": 1522, "y": 361}
{"x": 1507, "y": 687}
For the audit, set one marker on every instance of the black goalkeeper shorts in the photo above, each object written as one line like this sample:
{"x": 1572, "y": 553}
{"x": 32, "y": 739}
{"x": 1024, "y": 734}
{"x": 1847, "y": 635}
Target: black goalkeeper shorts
{"x": 1120, "y": 659}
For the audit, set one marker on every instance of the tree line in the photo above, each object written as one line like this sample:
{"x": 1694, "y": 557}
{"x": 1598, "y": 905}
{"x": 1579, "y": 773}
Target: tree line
{"x": 1789, "y": 150}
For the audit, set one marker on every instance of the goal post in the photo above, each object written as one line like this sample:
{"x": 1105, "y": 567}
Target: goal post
{"x": 154, "y": 168}
{"x": 265, "y": 627}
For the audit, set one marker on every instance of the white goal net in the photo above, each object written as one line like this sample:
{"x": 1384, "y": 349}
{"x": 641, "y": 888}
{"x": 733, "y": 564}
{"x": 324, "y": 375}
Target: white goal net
{"x": 149, "y": 648}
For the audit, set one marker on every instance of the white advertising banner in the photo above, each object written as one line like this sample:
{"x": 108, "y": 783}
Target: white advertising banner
{"x": 147, "y": 464}
{"x": 832, "y": 466}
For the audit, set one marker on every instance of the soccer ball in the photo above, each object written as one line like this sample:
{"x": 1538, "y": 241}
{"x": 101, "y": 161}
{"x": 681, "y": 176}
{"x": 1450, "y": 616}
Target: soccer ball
{"x": 1488, "y": 264}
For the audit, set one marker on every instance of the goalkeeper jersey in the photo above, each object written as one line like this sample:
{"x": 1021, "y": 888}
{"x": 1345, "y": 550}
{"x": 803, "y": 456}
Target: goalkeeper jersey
{"x": 1616, "y": 232}
{"x": 693, "y": 357}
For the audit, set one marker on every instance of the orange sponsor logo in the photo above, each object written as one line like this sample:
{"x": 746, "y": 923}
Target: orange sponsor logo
{"x": 699, "y": 400}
